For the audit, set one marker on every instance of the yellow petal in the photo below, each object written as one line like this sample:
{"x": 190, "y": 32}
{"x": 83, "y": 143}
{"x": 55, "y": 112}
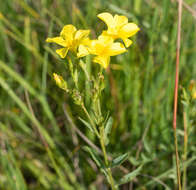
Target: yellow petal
{"x": 115, "y": 49}
{"x": 86, "y": 41}
{"x": 68, "y": 32}
{"x": 104, "y": 33}
{"x": 80, "y": 34}
{"x": 62, "y": 52}
{"x": 96, "y": 47}
{"x": 105, "y": 39}
{"x": 120, "y": 20}
{"x": 129, "y": 30}
{"x": 107, "y": 18}
{"x": 82, "y": 51}
{"x": 127, "y": 42}
{"x": 57, "y": 40}
{"x": 102, "y": 60}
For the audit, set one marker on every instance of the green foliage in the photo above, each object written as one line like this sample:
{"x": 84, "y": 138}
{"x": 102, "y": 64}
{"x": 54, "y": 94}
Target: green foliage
{"x": 119, "y": 160}
{"x": 130, "y": 176}
{"x": 41, "y": 149}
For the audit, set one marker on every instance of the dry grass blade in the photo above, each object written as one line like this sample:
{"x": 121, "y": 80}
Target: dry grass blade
{"x": 188, "y": 8}
{"x": 176, "y": 91}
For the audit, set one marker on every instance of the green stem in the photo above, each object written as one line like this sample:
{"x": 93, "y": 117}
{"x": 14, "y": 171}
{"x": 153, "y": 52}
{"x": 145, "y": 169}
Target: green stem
{"x": 185, "y": 151}
{"x": 71, "y": 68}
{"x": 91, "y": 121}
{"x": 99, "y": 107}
{"x": 177, "y": 160}
{"x": 100, "y": 135}
{"x": 101, "y": 139}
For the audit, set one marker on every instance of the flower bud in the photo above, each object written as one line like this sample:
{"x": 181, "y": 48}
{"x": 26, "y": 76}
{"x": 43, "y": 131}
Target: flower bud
{"x": 61, "y": 83}
{"x": 192, "y": 88}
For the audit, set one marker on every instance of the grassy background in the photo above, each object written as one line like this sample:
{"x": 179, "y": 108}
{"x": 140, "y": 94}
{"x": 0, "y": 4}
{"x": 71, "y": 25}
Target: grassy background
{"x": 139, "y": 95}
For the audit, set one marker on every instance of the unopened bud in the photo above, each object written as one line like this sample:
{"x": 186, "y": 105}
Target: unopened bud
{"x": 61, "y": 83}
{"x": 194, "y": 95}
{"x": 192, "y": 88}
{"x": 77, "y": 97}
{"x": 1, "y": 16}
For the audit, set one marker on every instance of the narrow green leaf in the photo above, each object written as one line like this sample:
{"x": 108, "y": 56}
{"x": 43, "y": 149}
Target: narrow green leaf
{"x": 130, "y": 176}
{"x": 32, "y": 91}
{"x": 94, "y": 156}
{"x": 107, "y": 130}
{"x": 76, "y": 75}
{"x": 119, "y": 160}
{"x": 86, "y": 124}
{"x": 85, "y": 69}
{"x": 24, "y": 108}
{"x": 134, "y": 161}
{"x": 11, "y": 169}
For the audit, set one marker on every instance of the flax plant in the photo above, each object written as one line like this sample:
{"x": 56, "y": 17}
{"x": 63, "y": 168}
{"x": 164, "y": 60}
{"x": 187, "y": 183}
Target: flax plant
{"x": 76, "y": 44}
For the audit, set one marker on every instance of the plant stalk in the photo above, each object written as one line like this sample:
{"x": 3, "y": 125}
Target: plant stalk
{"x": 100, "y": 135}
{"x": 176, "y": 93}
{"x": 111, "y": 180}
{"x": 91, "y": 121}
{"x": 185, "y": 152}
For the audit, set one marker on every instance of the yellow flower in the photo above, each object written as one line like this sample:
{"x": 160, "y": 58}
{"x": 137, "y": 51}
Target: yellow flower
{"x": 103, "y": 48}
{"x": 118, "y": 27}
{"x": 70, "y": 38}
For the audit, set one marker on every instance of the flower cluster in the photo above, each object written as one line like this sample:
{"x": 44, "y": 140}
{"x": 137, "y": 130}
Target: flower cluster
{"x": 102, "y": 48}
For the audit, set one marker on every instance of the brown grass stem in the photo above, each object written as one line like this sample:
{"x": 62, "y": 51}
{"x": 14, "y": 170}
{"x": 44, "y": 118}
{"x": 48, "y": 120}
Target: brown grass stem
{"x": 188, "y": 8}
{"x": 176, "y": 92}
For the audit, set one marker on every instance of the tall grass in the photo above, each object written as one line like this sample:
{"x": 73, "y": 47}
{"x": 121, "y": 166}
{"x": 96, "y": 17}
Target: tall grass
{"x": 41, "y": 137}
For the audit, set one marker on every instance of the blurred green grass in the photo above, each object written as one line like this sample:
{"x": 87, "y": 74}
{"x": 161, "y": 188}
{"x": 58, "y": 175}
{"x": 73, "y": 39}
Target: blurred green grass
{"x": 139, "y": 93}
